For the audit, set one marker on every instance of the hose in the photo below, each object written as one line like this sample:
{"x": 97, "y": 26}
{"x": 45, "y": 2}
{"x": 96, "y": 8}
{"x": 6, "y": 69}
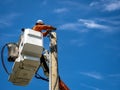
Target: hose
{"x": 2, "y": 57}
{"x": 40, "y": 77}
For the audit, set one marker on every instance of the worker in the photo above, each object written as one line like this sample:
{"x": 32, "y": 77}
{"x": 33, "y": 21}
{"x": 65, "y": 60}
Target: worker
{"x": 40, "y": 26}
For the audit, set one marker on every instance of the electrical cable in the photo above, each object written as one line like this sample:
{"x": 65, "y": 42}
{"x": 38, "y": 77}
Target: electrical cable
{"x": 38, "y": 75}
{"x": 2, "y": 56}
{"x": 2, "y": 59}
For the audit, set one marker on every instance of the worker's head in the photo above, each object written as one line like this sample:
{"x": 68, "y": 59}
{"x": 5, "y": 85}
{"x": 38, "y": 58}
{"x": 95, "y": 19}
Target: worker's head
{"x": 40, "y": 22}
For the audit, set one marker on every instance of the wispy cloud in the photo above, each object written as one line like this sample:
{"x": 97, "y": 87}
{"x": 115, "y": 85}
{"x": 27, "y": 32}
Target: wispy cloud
{"x": 107, "y": 25}
{"x": 112, "y": 6}
{"x": 89, "y": 86}
{"x": 84, "y": 26}
{"x": 7, "y": 20}
{"x": 61, "y": 10}
{"x": 94, "y": 75}
{"x": 92, "y": 24}
{"x": 93, "y": 4}
{"x": 76, "y": 27}
{"x": 114, "y": 20}
{"x": 106, "y": 5}
{"x": 70, "y": 26}
{"x": 112, "y": 23}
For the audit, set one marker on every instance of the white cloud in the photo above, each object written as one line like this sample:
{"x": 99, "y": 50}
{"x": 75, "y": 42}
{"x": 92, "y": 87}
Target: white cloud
{"x": 112, "y": 6}
{"x": 92, "y": 24}
{"x": 70, "y": 26}
{"x": 93, "y": 3}
{"x": 114, "y": 20}
{"x": 92, "y": 75}
{"x": 85, "y": 25}
{"x": 106, "y": 5}
{"x": 61, "y": 10}
{"x": 112, "y": 24}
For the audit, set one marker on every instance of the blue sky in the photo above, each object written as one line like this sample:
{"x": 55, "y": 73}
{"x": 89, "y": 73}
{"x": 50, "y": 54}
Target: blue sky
{"x": 88, "y": 40}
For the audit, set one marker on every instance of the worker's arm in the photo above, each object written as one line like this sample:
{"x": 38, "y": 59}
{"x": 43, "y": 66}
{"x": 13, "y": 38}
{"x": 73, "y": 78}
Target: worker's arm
{"x": 46, "y": 33}
{"x": 39, "y": 28}
{"x": 48, "y": 29}
{"x": 43, "y": 27}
